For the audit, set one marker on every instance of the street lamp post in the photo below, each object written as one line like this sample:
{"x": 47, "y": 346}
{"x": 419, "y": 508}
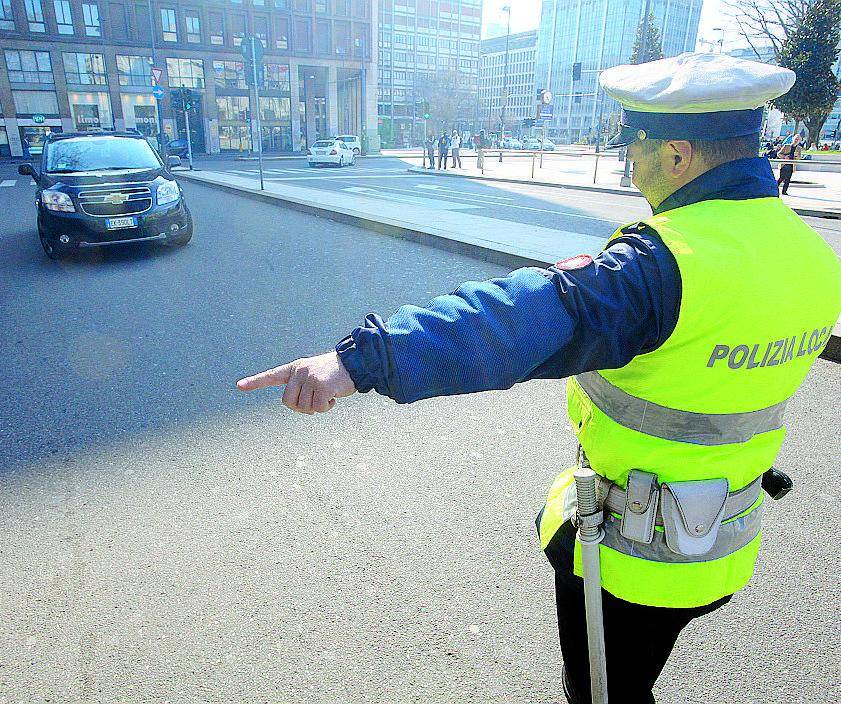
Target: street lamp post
{"x": 159, "y": 103}
{"x": 505, "y": 8}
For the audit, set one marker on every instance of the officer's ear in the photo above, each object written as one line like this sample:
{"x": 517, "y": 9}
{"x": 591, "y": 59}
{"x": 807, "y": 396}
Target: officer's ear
{"x": 676, "y": 157}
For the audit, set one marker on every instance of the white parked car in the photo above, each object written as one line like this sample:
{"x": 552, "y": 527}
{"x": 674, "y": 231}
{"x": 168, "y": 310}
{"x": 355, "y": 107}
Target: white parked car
{"x": 352, "y": 141}
{"x": 331, "y": 151}
{"x": 532, "y": 143}
{"x": 512, "y": 143}
{"x": 547, "y": 145}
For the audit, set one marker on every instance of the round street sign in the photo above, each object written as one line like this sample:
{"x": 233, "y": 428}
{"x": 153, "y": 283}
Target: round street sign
{"x": 158, "y": 92}
{"x": 245, "y": 48}
{"x": 38, "y": 119}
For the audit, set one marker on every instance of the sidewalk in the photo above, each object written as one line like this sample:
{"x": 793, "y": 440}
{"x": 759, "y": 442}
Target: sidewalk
{"x": 812, "y": 193}
{"x": 507, "y": 243}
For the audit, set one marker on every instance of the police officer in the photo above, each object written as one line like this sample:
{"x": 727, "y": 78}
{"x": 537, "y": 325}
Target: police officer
{"x": 682, "y": 341}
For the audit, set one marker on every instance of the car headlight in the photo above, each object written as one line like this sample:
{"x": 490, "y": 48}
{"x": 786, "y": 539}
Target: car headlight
{"x": 168, "y": 192}
{"x": 58, "y": 201}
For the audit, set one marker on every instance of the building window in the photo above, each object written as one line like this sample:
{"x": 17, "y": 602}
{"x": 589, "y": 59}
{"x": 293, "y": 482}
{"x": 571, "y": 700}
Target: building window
{"x": 217, "y": 28}
{"x": 90, "y": 12}
{"x": 261, "y": 28}
{"x": 281, "y": 33}
{"x": 85, "y": 69}
{"x": 303, "y": 34}
{"x": 35, "y": 15}
{"x": 232, "y": 108}
{"x": 185, "y": 73}
{"x": 35, "y": 102}
{"x": 118, "y": 24}
{"x": 7, "y": 19}
{"x": 302, "y": 6}
{"x": 134, "y": 70}
{"x": 274, "y": 109}
{"x": 322, "y": 7}
{"x": 169, "y": 29}
{"x": 277, "y": 77}
{"x": 193, "y": 28}
{"x": 29, "y": 66}
{"x": 322, "y": 37}
{"x": 63, "y": 16}
{"x": 229, "y": 74}
{"x": 237, "y": 28}
{"x": 343, "y": 7}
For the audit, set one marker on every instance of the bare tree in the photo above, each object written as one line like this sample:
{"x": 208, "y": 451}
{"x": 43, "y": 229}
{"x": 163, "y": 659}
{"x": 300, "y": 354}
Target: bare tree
{"x": 451, "y": 97}
{"x": 767, "y": 22}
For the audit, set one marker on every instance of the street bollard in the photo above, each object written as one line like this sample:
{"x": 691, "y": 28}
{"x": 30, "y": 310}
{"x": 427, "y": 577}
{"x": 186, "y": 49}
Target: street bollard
{"x": 532, "y": 165}
{"x": 596, "y": 168}
{"x": 590, "y": 534}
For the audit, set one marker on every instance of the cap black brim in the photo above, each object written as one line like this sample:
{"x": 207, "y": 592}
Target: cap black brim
{"x": 626, "y": 136}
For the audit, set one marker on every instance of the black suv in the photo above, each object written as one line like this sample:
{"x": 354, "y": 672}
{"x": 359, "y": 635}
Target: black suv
{"x": 97, "y": 189}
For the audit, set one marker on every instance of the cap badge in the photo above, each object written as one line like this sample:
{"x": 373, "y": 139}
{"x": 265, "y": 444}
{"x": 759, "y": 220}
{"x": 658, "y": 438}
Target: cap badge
{"x": 641, "y": 134}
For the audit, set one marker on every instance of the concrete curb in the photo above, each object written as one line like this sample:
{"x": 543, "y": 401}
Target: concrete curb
{"x": 382, "y": 225}
{"x": 805, "y": 212}
{"x": 426, "y": 236}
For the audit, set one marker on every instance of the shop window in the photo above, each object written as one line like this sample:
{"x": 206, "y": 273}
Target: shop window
{"x": 185, "y": 73}
{"x": 274, "y": 109}
{"x": 90, "y": 110}
{"x": 134, "y": 70}
{"x": 169, "y": 27}
{"x": 85, "y": 69}
{"x": 193, "y": 22}
{"x": 234, "y": 138}
{"x": 90, "y": 13}
{"x": 232, "y": 108}
{"x": 35, "y": 15}
{"x": 63, "y": 16}
{"x": 7, "y": 19}
{"x": 217, "y": 28}
{"x": 229, "y": 74}
{"x": 281, "y": 32}
{"x": 277, "y": 77}
{"x": 29, "y": 66}
{"x": 32, "y": 139}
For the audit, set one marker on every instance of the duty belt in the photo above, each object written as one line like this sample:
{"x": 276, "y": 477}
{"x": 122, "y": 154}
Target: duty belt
{"x": 737, "y": 502}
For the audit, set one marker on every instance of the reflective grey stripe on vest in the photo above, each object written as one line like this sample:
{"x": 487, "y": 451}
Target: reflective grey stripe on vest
{"x": 672, "y": 424}
{"x": 732, "y": 536}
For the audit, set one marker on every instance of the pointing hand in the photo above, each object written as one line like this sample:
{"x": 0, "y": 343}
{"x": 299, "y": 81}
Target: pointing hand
{"x": 312, "y": 384}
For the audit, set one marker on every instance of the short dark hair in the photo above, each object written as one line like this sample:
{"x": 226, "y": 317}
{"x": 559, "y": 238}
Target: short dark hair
{"x": 715, "y": 151}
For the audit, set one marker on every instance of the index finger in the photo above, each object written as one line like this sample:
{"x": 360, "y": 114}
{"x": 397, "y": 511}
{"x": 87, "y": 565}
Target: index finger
{"x": 271, "y": 377}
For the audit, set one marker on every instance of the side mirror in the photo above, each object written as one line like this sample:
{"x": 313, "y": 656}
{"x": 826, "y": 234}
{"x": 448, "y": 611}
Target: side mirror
{"x": 28, "y": 170}
{"x": 173, "y": 161}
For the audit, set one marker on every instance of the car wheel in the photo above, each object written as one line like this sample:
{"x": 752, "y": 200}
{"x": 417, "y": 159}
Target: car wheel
{"x": 185, "y": 235}
{"x": 51, "y": 249}
{"x": 356, "y": 151}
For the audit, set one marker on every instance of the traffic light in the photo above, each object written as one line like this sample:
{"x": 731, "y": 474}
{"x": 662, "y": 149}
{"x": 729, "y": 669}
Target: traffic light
{"x": 189, "y": 99}
{"x": 576, "y": 71}
{"x": 425, "y": 110}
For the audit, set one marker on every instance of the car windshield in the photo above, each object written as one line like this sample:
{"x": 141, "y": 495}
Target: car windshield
{"x": 99, "y": 154}
{"x": 323, "y": 143}
{"x": 348, "y": 139}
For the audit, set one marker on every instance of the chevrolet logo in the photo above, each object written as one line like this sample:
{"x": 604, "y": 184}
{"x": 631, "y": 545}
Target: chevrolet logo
{"x": 115, "y": 198}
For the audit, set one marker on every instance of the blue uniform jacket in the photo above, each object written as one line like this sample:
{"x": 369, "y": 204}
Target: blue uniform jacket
{"x": 577, "y": 316}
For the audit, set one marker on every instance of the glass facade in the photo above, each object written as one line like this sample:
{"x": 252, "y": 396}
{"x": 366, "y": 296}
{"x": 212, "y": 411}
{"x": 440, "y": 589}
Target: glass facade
{"x": 85, "y": 69}
{"x": 429, "y": 52}
{"x": 599, "y": 34}
{"x": 29, "y": 66}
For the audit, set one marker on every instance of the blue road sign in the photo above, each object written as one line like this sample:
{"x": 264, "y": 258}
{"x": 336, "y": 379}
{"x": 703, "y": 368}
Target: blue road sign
{"x": 158, "y": 92}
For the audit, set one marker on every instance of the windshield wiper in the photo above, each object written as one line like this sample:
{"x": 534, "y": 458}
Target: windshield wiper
{"x": 63, "y": 171}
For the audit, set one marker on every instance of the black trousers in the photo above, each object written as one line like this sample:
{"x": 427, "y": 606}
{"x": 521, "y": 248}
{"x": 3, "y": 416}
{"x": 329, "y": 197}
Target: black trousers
{"x": 638, "y": 639}
{"x": 786, "y": 171}
{"x": 442, "y": 158}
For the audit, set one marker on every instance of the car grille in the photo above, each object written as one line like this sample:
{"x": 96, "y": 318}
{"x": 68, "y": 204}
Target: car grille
{"x": 98, "y": 202}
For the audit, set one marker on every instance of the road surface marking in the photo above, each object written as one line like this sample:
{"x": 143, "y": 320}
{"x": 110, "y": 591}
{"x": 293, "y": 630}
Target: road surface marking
{"x": 430, "y": 187}
{"x": 7, "y": 183}
{"x": 413, "y": 200}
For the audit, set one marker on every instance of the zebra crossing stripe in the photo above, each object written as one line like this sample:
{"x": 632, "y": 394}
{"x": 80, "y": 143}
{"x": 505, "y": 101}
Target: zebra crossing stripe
{"x": 7, "y": 183}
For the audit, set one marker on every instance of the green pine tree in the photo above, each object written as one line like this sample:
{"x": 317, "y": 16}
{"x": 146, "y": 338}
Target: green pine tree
{"x": 647, "y": 44}
{"x": 810, "y": 51}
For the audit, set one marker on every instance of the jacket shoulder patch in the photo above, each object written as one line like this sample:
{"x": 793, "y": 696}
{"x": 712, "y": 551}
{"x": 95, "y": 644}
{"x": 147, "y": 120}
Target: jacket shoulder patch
{"x": 579, "y": 261}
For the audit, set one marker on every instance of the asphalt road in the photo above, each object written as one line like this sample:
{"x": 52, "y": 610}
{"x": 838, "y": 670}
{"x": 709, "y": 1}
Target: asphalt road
{"x": 167, "y": 539}
{"x": 571, "y": 210}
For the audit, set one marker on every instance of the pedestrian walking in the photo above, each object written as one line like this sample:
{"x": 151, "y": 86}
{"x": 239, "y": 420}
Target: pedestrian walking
{"x": 443, "y": 147}
{"x": 790, "y": 153}
{"x": 480, "y": 142}
{"x": 680, "y": 358}
{"x": 455, "y": 146}
{"x": 430, "y": 150}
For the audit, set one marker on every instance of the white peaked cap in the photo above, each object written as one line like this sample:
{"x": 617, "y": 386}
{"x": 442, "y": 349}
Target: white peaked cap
{"x": 696, "y": 83}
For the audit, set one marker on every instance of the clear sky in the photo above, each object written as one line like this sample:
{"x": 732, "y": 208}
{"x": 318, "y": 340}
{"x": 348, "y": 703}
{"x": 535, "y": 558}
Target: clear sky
{"x": 525, "y": 15}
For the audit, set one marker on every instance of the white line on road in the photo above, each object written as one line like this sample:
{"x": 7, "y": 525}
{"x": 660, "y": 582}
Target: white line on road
{"x": 431, "y": 187}
{"x": 414, "y": 200}
{"x": 7, "y": 183}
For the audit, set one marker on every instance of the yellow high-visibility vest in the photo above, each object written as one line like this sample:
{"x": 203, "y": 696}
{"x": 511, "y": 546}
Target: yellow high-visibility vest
{"x": 761, "y": 292}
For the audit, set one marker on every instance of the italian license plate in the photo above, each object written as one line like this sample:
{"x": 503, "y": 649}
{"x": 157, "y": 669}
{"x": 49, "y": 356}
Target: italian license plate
{"x": 120, "y": 223}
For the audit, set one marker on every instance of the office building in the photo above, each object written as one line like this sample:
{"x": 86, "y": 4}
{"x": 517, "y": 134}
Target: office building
{"x": 72, "y": 65}
{"x": 517, "y": 73}
{"x": 428, "y": 58}
{"x": 598, "y": 34}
